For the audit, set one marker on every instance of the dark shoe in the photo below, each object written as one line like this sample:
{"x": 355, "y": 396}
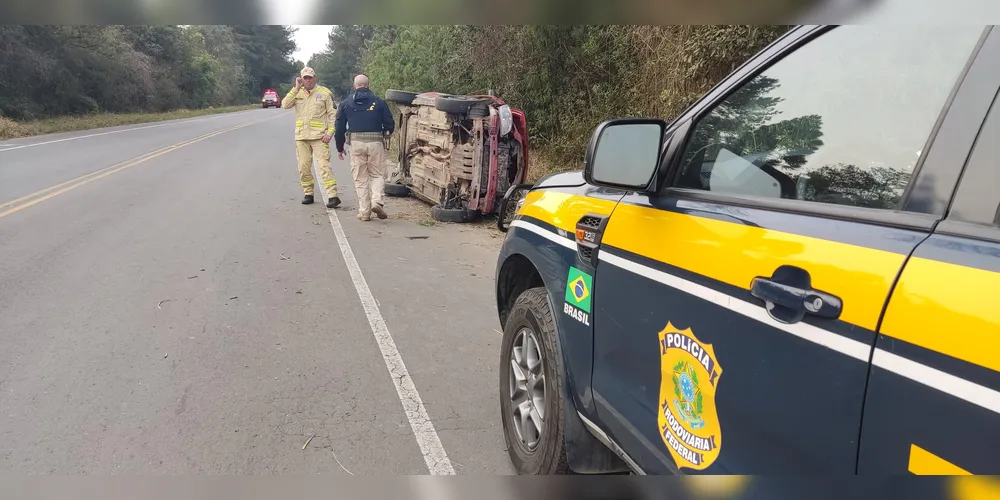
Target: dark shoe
{"x": 379, "y": 211}
{"x": 333, "y": 202}
{"x": 307, "y": 200}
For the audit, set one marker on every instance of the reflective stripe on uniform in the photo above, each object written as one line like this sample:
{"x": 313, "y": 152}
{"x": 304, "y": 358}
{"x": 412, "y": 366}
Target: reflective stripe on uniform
{"x": 317, "y": 124}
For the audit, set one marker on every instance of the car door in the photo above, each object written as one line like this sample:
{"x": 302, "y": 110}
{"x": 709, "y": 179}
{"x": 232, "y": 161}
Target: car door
{"x": 933, "y": 403}
{"x": 738, "y": 305}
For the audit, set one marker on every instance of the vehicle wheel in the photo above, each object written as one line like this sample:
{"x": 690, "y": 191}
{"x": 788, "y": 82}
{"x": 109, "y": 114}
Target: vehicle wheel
{"x": 399, "y": 190}
{"x": 531, "y": 407}
{"x": 458, "y": 105}
{"x": 480, "y": 109}
{"x": 400, "y": 96}
{"x": 460, "y": 215}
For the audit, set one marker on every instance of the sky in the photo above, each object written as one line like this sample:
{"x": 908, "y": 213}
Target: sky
{"x": 310, "y": 39}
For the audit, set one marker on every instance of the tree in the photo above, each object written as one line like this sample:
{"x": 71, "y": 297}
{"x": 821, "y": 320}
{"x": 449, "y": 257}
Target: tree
{"x": 267, "y": 52}
{"x": 64, "y": 70}
{"x": 877, "y": 187}
{"x": 341, "y": 60}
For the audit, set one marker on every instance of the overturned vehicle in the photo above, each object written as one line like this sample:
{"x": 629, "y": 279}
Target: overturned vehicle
{"x": 458, "y": 153}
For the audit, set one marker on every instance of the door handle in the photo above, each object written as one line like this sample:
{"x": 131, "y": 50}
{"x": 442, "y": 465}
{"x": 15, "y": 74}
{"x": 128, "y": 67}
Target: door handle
{"x": 788, "y": 296}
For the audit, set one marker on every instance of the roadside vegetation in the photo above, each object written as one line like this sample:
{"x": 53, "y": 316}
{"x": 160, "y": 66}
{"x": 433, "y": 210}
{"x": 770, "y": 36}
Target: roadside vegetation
{"x": 61, "y": 78}
{"x": 566, "y": 78}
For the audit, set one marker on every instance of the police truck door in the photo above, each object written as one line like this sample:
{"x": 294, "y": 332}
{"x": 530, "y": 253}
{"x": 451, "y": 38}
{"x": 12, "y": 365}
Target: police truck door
{"x": 738, "y": 305}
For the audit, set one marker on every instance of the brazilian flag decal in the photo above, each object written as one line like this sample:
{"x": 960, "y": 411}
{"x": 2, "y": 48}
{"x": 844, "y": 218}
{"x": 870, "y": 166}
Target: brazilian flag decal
{"x": 578, "y": 289}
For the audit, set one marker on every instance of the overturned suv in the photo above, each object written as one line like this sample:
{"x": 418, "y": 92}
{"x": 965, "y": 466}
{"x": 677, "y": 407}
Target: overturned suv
{"x": 458, "y": 153}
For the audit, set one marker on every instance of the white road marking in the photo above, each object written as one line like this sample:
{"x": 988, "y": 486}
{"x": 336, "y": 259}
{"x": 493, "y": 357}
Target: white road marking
{"x": 917, "y": 372}
{"x": 22, "y": 146}
{"x": 423, "y": 429}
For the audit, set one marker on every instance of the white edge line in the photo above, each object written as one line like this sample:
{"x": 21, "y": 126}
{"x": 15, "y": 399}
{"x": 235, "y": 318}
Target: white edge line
{"x": 942, "y": 381}
{"x": 420, "y": 422}
{"x": 22, "y": 146}
{"x": 931, "y": 377}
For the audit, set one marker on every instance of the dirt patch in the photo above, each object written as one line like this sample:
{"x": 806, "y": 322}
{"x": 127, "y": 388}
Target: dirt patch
{"x": 411, "y": 209}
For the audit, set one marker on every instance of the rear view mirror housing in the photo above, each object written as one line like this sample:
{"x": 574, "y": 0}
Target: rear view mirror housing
{"x": 624, "y": 153}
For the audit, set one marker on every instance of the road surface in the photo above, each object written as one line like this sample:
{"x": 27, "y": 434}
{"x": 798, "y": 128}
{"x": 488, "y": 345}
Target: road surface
{"x": 167, "y": 306}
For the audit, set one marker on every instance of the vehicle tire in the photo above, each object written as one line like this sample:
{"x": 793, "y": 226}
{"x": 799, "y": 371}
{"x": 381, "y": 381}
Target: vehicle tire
{"x": 400, "y": 96}
{"x": 480, "y": 109}
{"x": 458, "y": 105}
{"x": 529, "y": 341}
{"x": 459, "y": 215}
{"x": 397, "y": 190}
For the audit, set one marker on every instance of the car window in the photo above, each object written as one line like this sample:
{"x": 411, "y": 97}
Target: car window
{"x": 841, "y": 120}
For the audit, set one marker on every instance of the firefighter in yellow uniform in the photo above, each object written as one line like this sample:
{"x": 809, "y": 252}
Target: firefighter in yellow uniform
{"x": 315, "y": 112}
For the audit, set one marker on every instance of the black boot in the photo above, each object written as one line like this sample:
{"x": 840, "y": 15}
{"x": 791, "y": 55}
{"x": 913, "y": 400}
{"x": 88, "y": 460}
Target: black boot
{"x": 333, "y": 202}
{"x": 307, "y": 200}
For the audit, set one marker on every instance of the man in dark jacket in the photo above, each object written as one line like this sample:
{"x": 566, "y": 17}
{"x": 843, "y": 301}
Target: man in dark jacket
{"x": 369, "y": 120}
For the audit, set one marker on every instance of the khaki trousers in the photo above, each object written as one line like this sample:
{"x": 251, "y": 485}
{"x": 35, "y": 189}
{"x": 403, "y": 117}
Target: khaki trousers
{"x": 368, "y": 169}
{"x": 305, "y": 151}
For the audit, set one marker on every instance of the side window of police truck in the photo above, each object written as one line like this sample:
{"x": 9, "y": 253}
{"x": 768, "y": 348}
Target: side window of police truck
{"x": 841, "y": 120}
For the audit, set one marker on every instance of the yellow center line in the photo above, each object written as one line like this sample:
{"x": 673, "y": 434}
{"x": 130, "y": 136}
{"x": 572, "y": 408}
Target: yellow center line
{"x": 104, "y": 172}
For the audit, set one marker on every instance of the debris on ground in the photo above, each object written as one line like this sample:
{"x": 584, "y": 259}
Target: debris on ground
{"x": 308, "y": 441}
{"x": 192, "y": 277}
{"x": 417, "y": 237}
{"x": 283, "y": 257}
{"x": 234, "y": 297}
{"x": 161, "y": 303}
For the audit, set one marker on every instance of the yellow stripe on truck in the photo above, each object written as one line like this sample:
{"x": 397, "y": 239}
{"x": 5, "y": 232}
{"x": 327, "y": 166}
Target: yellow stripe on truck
{"x": 925, "y": 463}
{"x": 949, "y": 309}
{"x": 736, "y": 253}
{"x": 563, "y": 210}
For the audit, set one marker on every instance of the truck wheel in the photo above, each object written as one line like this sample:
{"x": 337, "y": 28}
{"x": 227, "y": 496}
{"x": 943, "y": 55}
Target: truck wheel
{"x": 458, "y": 105}
{"x": 398, "y": 190}
{"x": 400, "y": 96}
{"x": 459, "y": 215}
{"x": 531, "y": 405}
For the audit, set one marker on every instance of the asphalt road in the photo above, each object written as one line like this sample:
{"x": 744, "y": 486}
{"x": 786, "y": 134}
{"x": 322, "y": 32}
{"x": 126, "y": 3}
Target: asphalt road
{"x": 167, "y": 306}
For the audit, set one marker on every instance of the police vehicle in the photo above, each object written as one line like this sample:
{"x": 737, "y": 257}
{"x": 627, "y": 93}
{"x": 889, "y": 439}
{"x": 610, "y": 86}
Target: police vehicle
{"x": 800, "y": 274}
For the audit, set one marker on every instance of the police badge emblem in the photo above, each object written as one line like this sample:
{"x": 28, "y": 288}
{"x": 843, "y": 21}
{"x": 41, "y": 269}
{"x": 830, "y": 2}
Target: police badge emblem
{"x": 687, "y": 416}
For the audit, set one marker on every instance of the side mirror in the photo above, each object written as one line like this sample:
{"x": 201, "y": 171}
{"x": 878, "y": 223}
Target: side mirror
{"x": 624, "y": 153}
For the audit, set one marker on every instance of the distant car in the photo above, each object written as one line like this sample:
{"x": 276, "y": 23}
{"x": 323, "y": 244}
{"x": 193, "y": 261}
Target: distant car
{"x": 270, "y": 99}
{"x": 459, "y": 153}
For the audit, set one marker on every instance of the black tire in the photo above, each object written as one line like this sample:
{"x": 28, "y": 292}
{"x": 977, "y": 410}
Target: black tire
{"x": 458, "y": 105}
{"x": 397, "y": 190}
{"x": 480, "y": 109}
{"x": 531, "y": 311}
{"x": 459, "y": 215}
{"x": 400, "y": 96}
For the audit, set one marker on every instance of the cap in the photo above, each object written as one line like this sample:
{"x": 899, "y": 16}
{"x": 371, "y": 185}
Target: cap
{"x": 307, "y": 71}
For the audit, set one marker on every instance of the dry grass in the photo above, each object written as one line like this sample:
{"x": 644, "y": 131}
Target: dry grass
{"x": 10, "y": 129}
{"x": 541, "y": 163}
